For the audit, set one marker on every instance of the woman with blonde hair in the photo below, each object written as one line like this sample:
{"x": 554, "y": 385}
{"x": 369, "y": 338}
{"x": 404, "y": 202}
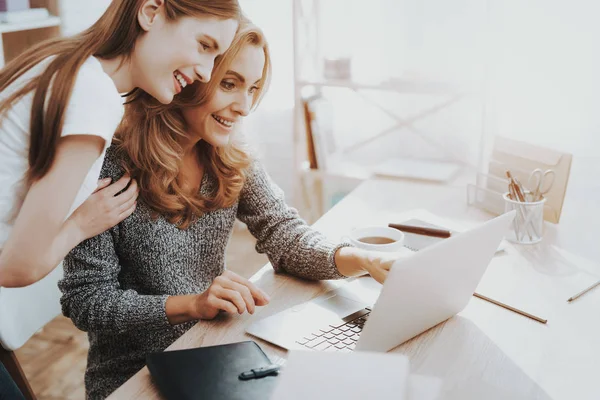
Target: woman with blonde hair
{"x": 139, "y": 286}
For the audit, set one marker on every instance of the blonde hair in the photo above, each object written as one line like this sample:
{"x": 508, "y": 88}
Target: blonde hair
{"x": 113, "y": 35}
{"x": 150, "y": 140}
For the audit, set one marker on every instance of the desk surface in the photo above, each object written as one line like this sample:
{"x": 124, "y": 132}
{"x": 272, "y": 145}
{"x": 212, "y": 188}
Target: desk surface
{"x": 485, "y": 351}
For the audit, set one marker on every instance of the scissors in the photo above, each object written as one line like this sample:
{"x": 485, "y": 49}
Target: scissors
{"x": 540, "y": 182}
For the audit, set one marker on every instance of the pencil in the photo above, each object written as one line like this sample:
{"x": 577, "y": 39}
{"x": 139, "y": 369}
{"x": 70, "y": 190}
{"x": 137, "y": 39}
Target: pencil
{"x": 420, "y": 230}
{"x": 520, "y": 191}
{"x": 584, "y": 291}
{"x": 516, "y": 310}
{"x": 516, "y": 185}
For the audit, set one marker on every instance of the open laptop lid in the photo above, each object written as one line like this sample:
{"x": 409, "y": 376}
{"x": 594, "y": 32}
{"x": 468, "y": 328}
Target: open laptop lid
{"x": 432, "y": 285}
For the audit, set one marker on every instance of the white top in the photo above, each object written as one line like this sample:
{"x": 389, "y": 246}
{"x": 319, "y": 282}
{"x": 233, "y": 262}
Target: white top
{"x": 95, "y": 108}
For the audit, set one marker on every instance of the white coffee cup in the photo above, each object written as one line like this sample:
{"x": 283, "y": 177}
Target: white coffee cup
{"x": 377, "y": 238}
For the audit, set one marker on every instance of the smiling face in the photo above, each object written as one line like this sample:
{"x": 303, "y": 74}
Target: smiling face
{"x": 173, "y": 54}
{"x": 219, "y": 117}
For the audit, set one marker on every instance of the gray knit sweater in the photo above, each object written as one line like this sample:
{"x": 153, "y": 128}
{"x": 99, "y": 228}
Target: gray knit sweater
{"x": 116, "y": 284}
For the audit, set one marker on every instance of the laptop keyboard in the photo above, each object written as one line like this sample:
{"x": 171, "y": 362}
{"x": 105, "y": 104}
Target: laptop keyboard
{"x": 336, "y": 338}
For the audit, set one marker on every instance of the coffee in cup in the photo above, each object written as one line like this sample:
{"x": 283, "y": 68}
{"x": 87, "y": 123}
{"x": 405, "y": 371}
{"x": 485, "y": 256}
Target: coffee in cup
{"x": 377, "y": 238}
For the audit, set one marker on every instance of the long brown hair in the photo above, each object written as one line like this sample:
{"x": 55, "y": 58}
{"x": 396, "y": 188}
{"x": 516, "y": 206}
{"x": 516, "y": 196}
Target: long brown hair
{"x": 151, "y": 137}
{"x": 113, "y": 35}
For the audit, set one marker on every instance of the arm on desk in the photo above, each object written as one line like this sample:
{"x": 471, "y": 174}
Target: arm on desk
{"x": 94, "y": 300}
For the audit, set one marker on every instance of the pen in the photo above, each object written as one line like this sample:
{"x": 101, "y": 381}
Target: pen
{"x": 255, "y": 373}
{"x": 419, "y": 230}
{"x": 584, "y": 291}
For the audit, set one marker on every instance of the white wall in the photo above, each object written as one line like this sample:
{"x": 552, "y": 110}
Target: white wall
{"x": 270, "y": 127}
{"x": 78, "y": 15}
{"x": 537, "y": 62}
{"x": 545, "y": 72}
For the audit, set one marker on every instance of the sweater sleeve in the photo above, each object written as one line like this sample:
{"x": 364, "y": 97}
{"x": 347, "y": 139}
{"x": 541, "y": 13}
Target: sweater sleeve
{"x": 91, "y": 293}
{"x": 92, "y": 296}
{"x": 290, "y": 244}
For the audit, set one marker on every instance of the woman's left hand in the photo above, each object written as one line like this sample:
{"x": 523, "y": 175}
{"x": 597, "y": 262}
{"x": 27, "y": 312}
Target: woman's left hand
{"x": 104, "y": 208}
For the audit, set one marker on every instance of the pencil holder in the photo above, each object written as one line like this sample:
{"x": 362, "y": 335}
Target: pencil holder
{"x": 528, "y": 225}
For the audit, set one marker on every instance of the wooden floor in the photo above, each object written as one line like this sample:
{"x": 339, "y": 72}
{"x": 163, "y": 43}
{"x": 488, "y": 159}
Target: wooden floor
{"x": 54, "y": 359}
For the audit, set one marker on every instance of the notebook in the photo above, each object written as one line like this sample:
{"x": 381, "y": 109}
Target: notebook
{"x": 416, "y": 242}
{"x": 211, "y": 372}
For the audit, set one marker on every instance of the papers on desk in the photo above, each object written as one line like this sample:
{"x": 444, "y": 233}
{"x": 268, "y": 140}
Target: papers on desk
{"x": 426, "y": 170}
{"x": 358, "y": 375}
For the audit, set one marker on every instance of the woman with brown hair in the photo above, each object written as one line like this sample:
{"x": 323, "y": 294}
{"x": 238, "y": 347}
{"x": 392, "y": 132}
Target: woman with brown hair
{"x": 60, "y": 104}
{"x": 139, "y": 286}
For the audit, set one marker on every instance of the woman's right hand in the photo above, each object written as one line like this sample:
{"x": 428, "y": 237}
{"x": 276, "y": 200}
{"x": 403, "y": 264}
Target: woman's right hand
{"x": 231, "y": 293}
{"x": 103, "y": 210}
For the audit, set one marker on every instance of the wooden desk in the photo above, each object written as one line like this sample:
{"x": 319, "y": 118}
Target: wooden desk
{"x": 485, "y": 352}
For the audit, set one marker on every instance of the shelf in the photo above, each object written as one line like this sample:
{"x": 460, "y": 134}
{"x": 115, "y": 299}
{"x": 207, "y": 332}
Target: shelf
{"x": 397, "y": 85}
{"x": 339, "y": 169}
{"x": 430, "y": 171}
{"x": 29, "y": 25}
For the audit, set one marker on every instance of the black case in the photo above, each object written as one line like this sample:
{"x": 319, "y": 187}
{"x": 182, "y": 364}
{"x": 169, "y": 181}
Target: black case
{"x": 211, "y": 372}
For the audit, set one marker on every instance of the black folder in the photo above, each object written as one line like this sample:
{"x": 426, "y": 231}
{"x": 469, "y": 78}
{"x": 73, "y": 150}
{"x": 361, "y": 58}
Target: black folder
{"x": 211, "y": 372}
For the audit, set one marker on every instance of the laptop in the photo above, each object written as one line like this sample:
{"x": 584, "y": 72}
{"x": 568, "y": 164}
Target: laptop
{"x": 420, "y": 291}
